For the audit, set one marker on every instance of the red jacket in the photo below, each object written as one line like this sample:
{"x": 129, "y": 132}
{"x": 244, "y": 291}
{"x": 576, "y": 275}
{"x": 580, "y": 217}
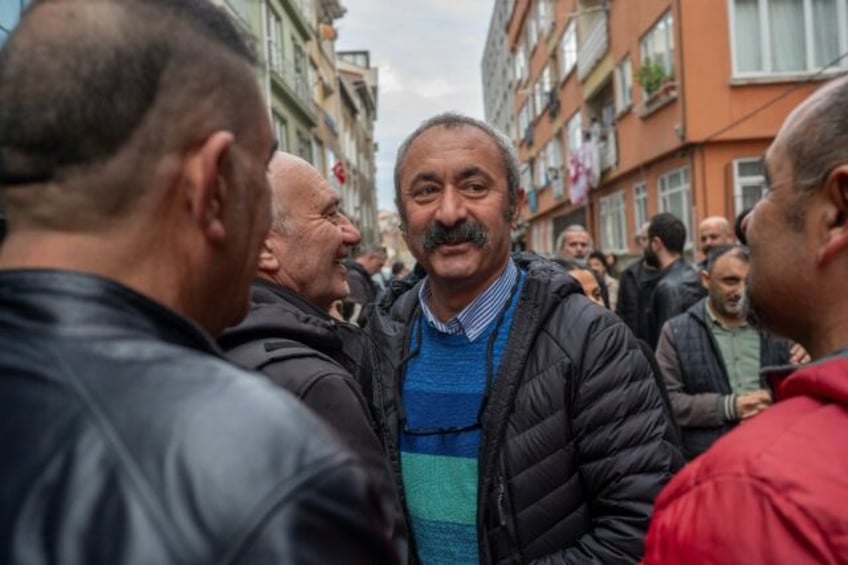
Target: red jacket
{"x": 774, "y": 490}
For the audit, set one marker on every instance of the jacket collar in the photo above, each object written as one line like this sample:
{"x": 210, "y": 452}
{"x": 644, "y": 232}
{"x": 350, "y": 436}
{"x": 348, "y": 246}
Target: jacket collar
{"x": 825, "y": 380}
{"x": 89, "y": 305}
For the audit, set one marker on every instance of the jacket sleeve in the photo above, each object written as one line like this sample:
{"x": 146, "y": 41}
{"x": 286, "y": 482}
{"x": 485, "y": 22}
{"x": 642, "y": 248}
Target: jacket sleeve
{"x": 337, "y": 399}
{"x": 332, "y": 517}
{"x": 690, "y": 410}
{"x": 619, "y": 426}
{"x": 732, "y": 520}
{"x": 627, "y": 298}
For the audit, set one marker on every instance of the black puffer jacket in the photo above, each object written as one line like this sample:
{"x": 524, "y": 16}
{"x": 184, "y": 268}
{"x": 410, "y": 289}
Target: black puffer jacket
{"x": 127, "y": 439}
{"x": 573, "y": 449}
{"x": 320, "y": 374}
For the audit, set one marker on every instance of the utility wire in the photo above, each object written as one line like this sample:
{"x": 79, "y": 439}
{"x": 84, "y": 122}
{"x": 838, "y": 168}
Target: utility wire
{"x": 776, "y": 99}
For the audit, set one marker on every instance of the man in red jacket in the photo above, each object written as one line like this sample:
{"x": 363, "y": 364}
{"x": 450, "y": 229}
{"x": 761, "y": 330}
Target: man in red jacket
{"x": 775, "y": 490}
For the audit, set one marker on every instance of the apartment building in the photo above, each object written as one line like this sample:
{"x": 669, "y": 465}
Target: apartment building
{"x": 629, "y": 108}
{"x": 318, "y": 105}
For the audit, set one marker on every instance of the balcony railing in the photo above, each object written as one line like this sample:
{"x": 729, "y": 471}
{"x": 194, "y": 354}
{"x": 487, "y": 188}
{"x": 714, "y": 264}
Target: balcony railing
{"x": 591, "y": 50}
{"x": 285, "y": 70}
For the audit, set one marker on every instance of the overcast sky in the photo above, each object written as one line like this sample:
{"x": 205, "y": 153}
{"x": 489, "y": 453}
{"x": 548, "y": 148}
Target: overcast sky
{"x": 428, "y": 53}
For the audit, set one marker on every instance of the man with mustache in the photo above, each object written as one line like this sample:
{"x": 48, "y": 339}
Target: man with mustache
{"x": 711, "y": 358}
{"x": 523, "y": 420}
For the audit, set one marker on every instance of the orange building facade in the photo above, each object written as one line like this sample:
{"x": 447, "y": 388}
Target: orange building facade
{"x": 657, "y": 105}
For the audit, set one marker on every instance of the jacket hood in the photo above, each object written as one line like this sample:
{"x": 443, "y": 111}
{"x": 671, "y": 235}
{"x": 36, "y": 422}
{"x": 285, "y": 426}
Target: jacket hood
{"x": 826, "y": 380}
{"x": 276, "y": 312}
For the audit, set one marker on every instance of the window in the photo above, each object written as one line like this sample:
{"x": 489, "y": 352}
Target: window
{"x": 540, "y": 173}
{"x": 542, "y": 236}
{"x": 675, "y": 197}
{"x": 568, "y": 49}
{"x": 543, "y": 14}
{"x": 623, "y": 85}
{"x": 613, "y": 223}
{"x": 539, "y": 98}
{"x": 304, "y": 146}
{"x": 520, "y": 64}
{"x": 281, "y": 132}
{"x": 531, "y": 34}
{"x": 525, "y": 118}
{"x": 274, "y": 32}
{"x": 574, "y": 128}
{"x": 658, "y": 45}
{"x": 640, "y": 204}
{"x": 554, "y": 163}
{"x": 749, "y": 183}
{"x": 787, "y": 36}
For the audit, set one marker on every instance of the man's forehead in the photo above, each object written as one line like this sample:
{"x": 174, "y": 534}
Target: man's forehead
{"x": 463, "y": 137}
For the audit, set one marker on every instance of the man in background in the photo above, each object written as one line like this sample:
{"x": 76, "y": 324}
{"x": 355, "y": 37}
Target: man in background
{"x": 713, "y": 232}
{"x": 635, "y": 286}
{"x": 363, "y": 289}
{"x": 711, "y": 357}
{"x": 575, "y": 244}
{"x": 679, "y": 285}
{"x": 133, "y": 147}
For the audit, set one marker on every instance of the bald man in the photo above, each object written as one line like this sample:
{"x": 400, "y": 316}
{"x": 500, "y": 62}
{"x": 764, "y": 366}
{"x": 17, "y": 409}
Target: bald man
{"x": 714, "y": 231}
{"x": 289, "y": 335}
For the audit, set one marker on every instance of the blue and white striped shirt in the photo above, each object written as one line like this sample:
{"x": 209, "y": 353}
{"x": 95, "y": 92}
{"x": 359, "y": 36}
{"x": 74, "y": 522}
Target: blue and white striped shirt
{"x": 476, "y": 317}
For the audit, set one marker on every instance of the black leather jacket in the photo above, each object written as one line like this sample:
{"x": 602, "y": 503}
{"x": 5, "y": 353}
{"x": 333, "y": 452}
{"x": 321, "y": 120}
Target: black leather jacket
{"x": 126, "y": 439}
{"x": 575, "y": 438}
{"x": 679, "y": 288}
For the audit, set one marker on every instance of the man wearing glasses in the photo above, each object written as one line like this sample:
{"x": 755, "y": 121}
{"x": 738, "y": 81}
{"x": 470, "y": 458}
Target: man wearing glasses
{"x": 523, "y": 420}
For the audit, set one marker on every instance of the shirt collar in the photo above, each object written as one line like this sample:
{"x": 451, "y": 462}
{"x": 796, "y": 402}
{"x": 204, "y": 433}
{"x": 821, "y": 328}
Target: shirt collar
{"x": 474, "y": 318}
{"x": 715, "y": 320}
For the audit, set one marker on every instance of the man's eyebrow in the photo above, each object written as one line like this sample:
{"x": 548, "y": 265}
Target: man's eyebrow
{"x": 470, "y": 172}
{"x": 426, "y": 176}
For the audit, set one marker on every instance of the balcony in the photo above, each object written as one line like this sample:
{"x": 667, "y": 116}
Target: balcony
{"x": 286, "y": 72}
{"x": 593, "y": 49}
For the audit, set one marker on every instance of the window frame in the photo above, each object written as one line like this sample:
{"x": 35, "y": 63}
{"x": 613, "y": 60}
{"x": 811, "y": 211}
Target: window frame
{"x": 645, "y": 47}
{"x": 612, "y": 215}
{"x": 809, "y": 42}
{"x": 622, "y": 102}
{"x": 568, "y": 64}
{"x": 640, "y": 204}
{"x": 664, "y": 194}
{"x": 741, "y": 182}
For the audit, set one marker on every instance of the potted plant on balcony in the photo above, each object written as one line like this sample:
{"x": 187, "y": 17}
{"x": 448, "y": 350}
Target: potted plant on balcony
{"x": 650, "y": 76}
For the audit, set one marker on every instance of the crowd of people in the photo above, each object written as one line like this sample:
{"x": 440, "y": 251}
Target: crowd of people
{"x": 196, "y": 366}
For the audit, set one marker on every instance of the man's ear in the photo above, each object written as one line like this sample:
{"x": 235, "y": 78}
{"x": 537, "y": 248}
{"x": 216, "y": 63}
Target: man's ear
{"x": 705, "y": 280}
{"x": 206, "y": 185}
{"x": 835, "y": 215}
{"x": 268, "y": 262}
{"x": 519, "y": 204}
